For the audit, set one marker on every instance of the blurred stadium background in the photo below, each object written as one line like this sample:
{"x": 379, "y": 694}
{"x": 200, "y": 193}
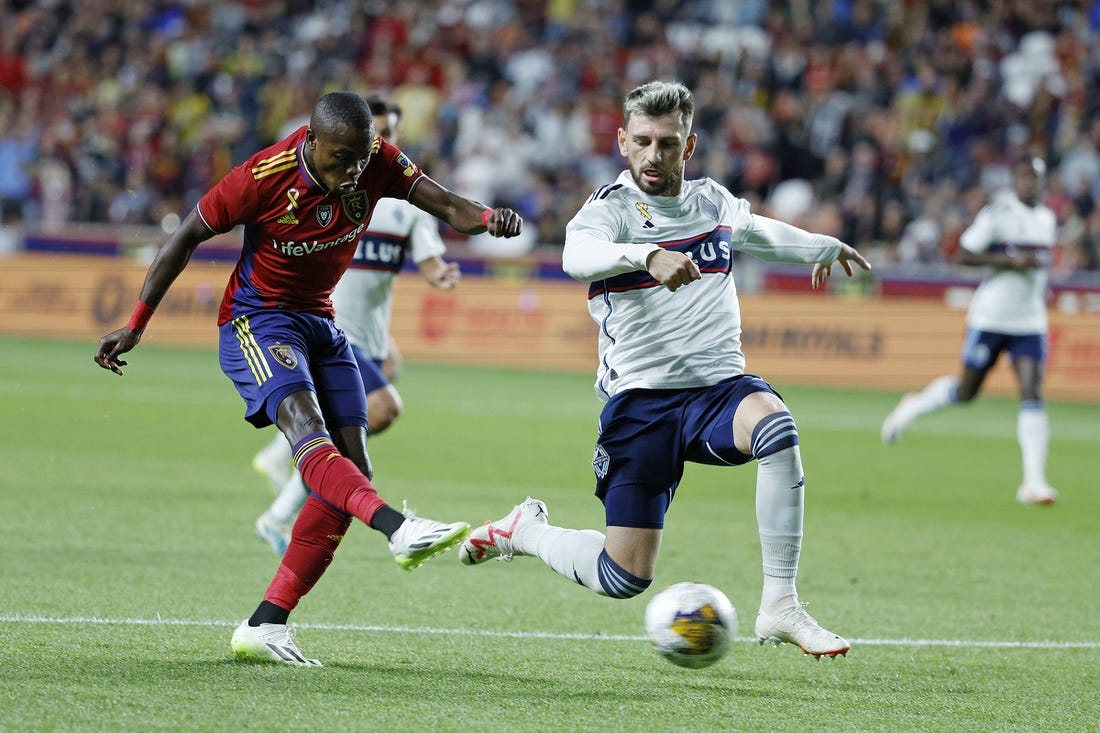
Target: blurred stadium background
{"x": 887, "y": 124}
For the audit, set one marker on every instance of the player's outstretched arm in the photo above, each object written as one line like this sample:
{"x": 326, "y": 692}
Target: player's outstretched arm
{"x": 171, "y": 258}
{"x": 462, "y": 214}
{"x": 847, "y": 256}
{"x": 439, "y": 273}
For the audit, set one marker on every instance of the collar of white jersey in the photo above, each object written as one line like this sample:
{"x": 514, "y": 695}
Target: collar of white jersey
{"x": 626, "y": 179}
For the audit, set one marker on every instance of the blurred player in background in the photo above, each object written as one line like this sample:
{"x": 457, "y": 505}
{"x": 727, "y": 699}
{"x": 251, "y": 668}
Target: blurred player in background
{"x": 658, "y": 252}
{"x": 1013, "y": 236}
{"x": 363, "y": 301}
{"x": 304, "y": 202}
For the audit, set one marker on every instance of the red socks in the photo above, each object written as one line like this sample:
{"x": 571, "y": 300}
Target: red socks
{"x": 340, "y": 491}
{"x": 317, "y": 533}
{"x": 336, "y": 479}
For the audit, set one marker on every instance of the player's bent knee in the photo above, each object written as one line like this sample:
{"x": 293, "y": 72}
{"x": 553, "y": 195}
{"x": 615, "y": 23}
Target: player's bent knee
{"x": 617, "y": 582}
{"x": 772, "y": 434}
{"x": 383, "y": 408}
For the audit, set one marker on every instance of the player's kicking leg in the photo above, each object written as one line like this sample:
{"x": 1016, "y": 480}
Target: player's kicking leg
{"x": 576, "y": 554}
{"x": 940, "y": 393}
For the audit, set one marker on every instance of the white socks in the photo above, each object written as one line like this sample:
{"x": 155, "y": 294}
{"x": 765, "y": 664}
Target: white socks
{"x": 574, "y": 553}
{"x": 1033, "y": 432}
{"x": 940, "y": 393}
{"x": 290, "y": 500}
{"x": 780, "y": 493}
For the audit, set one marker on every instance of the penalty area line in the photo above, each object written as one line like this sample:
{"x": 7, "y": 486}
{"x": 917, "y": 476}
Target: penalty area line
{"x": 161, "y": 621}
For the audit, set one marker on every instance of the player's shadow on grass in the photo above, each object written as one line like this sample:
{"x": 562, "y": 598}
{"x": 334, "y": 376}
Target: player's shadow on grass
{"x": 412, "y": 679}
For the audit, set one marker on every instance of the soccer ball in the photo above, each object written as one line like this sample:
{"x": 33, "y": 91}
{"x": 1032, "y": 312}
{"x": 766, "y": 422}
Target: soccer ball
{"x": 691, "y": 624}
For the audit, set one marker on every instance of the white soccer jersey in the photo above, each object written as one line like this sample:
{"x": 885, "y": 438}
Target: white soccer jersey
{"x": 1009, "y": 301}
{"x": 651, "y": 337}
{"x": 363, "y": 298}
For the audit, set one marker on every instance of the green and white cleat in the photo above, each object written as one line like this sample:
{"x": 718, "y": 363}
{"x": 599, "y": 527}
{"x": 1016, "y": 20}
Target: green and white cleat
{"x": 268, "y": 643}
{"x": 418, "y": 540}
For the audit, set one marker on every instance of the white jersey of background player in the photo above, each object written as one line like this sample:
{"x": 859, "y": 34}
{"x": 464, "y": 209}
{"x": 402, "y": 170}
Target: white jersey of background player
{"x": 658, "y": 254}
{"x": 363, "y": 301}
{"x": 1012, "y": 235}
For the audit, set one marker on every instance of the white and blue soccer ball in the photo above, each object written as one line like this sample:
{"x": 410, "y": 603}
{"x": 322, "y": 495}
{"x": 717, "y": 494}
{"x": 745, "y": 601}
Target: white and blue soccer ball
{"x": 691, "y": 624}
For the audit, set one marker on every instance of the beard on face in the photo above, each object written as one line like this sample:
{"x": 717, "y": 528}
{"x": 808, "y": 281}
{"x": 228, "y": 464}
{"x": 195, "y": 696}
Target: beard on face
{"x": 665, "y": 186}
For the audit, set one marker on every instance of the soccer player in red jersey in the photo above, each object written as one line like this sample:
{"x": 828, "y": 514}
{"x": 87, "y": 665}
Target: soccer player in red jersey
{"x": 303, "y": 203}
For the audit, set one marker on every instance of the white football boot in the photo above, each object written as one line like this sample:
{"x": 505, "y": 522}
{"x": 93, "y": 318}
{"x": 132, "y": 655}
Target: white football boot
{"x": 1041, "y": 494}
{"x": 899, "y": 420}
{"x": 268, "y": 643}
{"x": 793, "y": 625}
{"x": 497, "y": 539}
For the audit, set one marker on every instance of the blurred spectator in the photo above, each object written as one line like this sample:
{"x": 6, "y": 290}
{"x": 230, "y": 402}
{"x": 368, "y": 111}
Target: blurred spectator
{"x": 18, "y": 150}
{"x": 900, "y": 118}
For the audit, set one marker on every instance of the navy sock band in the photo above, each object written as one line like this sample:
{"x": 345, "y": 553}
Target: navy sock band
{"x": 772, "y": 434}
{"x": 617, "y": 582}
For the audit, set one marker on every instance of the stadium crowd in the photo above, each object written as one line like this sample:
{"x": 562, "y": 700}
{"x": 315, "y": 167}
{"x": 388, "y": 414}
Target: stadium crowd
{"x": 884, "y": 123}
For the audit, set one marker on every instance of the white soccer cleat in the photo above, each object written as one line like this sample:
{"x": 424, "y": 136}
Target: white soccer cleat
{"x": 268, "y": 643}
{"x": 273, "y": 463}
{"x": 1041, "y": 494}
{"x": 276, "y": 534}
{"x": 497, "y": 539}
{"x": 898, "y": 421}
{"x": 793, "y": 625}
{"x": 418, "y": 540}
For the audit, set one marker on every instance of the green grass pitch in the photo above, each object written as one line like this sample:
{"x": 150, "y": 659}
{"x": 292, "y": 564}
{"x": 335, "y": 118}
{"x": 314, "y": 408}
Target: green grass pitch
{"x": 127, "y": 556}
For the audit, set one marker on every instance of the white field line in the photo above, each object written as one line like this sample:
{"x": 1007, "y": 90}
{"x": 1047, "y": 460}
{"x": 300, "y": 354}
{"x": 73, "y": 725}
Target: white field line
{"x": 159, "y": 621}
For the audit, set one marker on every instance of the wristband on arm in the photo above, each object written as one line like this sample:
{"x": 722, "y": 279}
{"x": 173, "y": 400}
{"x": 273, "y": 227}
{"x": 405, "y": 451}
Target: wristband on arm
{"x": 485, "y": 217}
{"x": 139, "y": 319}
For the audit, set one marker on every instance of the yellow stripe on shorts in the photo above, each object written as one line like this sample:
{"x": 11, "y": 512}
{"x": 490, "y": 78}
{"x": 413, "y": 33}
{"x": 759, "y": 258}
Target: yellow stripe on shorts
{"x": 253, "y": 354}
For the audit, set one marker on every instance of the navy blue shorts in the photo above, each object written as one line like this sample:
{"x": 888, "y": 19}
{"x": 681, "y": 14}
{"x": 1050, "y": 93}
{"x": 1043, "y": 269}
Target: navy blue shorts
{"x": 982, "y": 348}
{"x": 647, "y": 435}
{"x": 271, "y": 354}
{"x": 370, "y": 369}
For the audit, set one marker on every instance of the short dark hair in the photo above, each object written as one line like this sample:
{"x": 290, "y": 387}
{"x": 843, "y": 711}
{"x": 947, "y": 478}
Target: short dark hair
{"x": 341, "y": 108}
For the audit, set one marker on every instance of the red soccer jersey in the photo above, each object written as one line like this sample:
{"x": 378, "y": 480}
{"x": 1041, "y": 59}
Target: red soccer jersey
{"x": 298, "y": 238}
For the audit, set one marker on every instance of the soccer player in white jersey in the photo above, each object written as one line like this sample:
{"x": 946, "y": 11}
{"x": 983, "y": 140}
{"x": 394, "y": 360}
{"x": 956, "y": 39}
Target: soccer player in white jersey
{"x": 1013, "y": 236}
{"x": 658, "y": 252}
{"x": 363, "y": 301}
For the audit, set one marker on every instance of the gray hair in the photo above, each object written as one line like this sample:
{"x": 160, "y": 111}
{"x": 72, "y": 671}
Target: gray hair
{"x": 659, "y": 98}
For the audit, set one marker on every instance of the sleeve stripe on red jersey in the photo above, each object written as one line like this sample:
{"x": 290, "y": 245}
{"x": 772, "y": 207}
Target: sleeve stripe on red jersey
{"x": 280, "y": 162}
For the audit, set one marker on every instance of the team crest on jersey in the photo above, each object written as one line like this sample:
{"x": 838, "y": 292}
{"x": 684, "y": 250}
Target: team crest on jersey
{"x": 324, "y": 214}
{"x": 284, "y": 355}
{"x": 643, "y": 209}
{"x": 355, "y": 206}
{"x": 408, "y": 165}
{"x": 600, "y": 461}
